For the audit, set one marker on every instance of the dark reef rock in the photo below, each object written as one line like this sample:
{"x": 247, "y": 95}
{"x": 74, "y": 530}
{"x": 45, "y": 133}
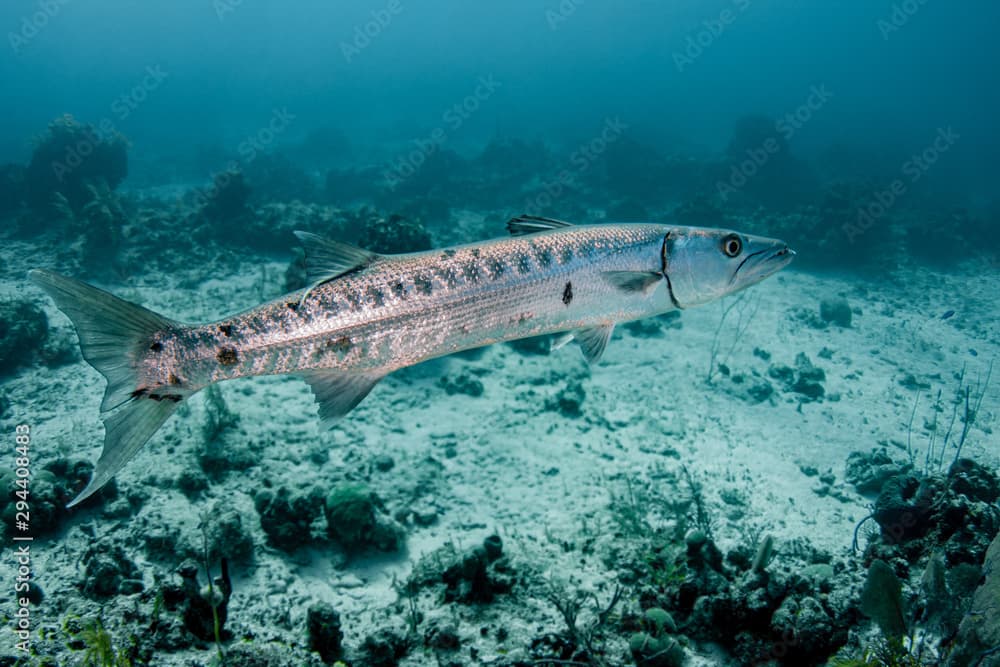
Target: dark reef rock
{"x": 108, "y": 572}
{"x": 809, "y": 378}
{"x": 954, "y": 514}
{"x": 979, "y": 634}
{"x": 568, "y": 401}
{"x": 226, "y": 200}
{"x": 976, "y": 482}
{"x": 287, "y": 517}
{"x": 462, "y": 383}
{"x": 835, "y": 310}
{"x": 226, "y": 536}
{"x": 394, "y": 234}
{"x": 272, "y": 177}
{"x": 203, "y": 613}
{"x": 12, "y": 192}
{"x": 323, "y": 627}
{"x": 24, "y": 329}
{"x": 50, "y": 489}
{"x": 69, "y": 160}
{"x": 355, "y": 520}
{"x": 384, "y": 648}
{"x": 805, "y": 379}
{"x": 480, "y": 575}
{"x": 903, "y": 507}
{"x": 868, "y": 472}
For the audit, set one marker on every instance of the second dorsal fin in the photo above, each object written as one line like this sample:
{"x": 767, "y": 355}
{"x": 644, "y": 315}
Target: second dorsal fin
{"x": 529, "y": 224}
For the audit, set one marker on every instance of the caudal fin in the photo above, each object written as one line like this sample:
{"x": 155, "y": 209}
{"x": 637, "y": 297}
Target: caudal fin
{"x": 112, "y": 334}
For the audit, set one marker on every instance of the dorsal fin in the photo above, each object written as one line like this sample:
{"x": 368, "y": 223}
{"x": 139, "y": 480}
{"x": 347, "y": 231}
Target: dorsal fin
{"x": 326, "y": 259}
{"x": 529, "y": 224}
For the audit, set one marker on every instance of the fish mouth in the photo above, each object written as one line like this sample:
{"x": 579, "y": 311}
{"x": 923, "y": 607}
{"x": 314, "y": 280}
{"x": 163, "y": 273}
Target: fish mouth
{"x": 760, "y": 264}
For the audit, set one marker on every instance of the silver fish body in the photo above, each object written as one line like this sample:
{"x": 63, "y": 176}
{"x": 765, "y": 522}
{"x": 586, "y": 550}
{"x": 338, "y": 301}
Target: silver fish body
{"x": 367, "y": 315}
{"x": 404, "y": 309}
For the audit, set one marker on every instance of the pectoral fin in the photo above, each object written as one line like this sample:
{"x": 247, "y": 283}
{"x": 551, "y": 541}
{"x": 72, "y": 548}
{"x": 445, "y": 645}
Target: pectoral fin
{"x": 339, "y": 392}
{"x": 633, "y": 281}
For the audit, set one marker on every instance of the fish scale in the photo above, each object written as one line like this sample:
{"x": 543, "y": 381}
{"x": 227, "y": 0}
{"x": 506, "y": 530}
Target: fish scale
{"x": 368, "y": 315}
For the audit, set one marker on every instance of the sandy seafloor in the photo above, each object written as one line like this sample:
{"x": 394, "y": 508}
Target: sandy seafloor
{"x": 504, "y": 463}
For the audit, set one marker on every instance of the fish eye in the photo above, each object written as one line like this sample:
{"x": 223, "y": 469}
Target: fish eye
{"x": 732, "y": 245}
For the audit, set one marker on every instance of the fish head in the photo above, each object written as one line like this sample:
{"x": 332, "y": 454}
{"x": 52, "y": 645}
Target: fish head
{"x": 704, "y": 264}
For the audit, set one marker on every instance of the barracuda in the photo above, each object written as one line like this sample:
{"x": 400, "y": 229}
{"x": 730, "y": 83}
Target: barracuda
{"x": 366, "y": 315}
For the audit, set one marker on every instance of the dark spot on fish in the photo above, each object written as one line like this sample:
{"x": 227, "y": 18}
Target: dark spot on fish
{"x": 423, "y": 285}
{"x": 947, "y": 314}
{"x": 568, "y": 293}
{"x": 226, "y": 329}
{"x": 499, "y": 268}
{"x": 476, "y": 252}
{"x": 566, "y": 255}
{"x": 399, "y": 289}
{"x": 471, "y": 272}
{"x": 293, "y": 305}
{"x": 173, "y": 379}
{"x": 376, "y": 296}
{"x": 156, "y": 347}
{"x": 448, "y": 254}
{"x": 545, "y": 258}
{"x": 524, "y": 264}
{"x": 354, "y": 299}
{"x": 339, "y": 344}
{"x": 227, "y": 356}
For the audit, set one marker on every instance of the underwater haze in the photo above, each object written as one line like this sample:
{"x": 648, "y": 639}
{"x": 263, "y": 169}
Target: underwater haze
{"x": 367, "y": 196}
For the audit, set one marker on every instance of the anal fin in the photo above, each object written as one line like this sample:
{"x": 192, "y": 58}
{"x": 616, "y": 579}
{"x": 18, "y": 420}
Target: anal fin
{"x": 338, "y": 392}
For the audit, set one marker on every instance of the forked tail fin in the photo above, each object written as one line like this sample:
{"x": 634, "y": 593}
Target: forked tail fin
{"x": 112, "y": 333}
